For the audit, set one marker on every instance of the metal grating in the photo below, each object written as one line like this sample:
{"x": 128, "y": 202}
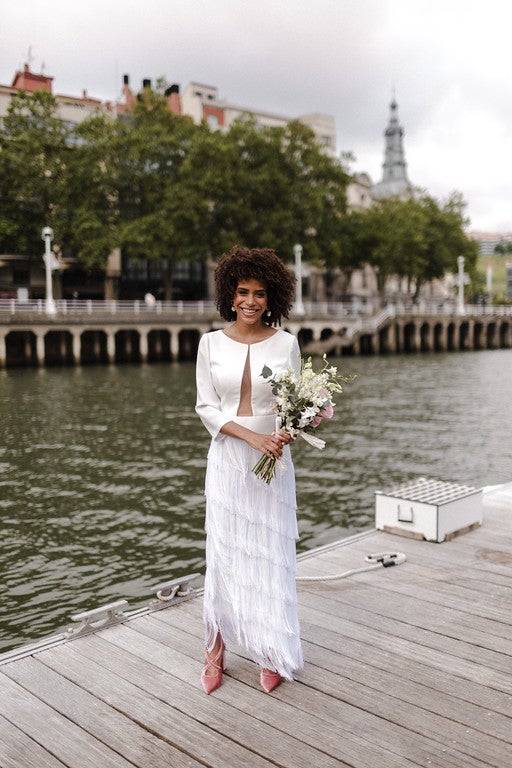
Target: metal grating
{"x": 430, "y": 491}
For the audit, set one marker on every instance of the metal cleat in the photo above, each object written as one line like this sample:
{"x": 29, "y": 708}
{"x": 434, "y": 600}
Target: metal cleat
{"x": 106, "y": 615}
{"x": 170, "y": 591}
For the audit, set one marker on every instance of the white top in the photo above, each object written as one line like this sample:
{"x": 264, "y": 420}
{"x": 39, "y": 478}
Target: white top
{"x": 219, "y": 369}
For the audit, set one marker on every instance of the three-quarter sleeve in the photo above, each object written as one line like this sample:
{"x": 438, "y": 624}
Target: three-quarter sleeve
{"x": 208, "y": 401}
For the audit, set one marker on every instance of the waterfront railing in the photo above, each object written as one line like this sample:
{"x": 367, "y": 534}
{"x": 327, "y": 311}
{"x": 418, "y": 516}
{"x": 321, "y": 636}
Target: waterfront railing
{"x": 109, "y": 307}
{"x": 136, "y": 308}
{"x": 201, "y": 308}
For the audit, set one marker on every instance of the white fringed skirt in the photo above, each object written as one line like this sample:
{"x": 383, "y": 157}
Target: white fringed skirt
{"x": 251, "y": 529}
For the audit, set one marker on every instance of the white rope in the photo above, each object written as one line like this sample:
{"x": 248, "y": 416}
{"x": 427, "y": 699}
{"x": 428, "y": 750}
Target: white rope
{"x": 378, "y": 560}
{"x": 169, "y": 596}
{"x": 175, "y": 592}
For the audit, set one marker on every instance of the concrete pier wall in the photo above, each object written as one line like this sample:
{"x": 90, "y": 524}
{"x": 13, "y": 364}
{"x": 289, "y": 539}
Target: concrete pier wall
{"x": 79, "y": 340}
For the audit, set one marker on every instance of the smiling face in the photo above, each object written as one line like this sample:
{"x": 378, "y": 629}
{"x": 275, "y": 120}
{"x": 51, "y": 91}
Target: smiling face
{"x": 250, "y": 302}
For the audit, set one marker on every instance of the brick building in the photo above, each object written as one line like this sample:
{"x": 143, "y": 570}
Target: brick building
{"x": 125, "y": 279}
{"x": 202, "y": 102}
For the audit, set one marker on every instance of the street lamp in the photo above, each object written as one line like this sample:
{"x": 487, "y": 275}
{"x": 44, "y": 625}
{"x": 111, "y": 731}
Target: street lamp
{"x": 47, "y": 236}
{"x": 299, "y": 306}
{"x": 460, "y": 264}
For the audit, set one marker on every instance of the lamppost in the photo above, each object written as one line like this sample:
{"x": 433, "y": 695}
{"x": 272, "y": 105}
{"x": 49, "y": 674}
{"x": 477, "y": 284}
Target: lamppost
{"x": 299, "y": 306}
{"x": 47, "y": 236}
{"x": 460, "y": 264}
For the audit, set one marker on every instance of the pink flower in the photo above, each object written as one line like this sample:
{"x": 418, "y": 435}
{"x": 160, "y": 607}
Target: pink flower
{"x": 327, "y": 412}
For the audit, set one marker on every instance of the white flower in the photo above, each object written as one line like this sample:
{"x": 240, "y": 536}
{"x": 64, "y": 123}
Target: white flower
{"x": 298, "y": 402}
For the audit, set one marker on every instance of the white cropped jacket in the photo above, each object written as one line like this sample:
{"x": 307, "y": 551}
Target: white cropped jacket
{"x": 219, "y": 369}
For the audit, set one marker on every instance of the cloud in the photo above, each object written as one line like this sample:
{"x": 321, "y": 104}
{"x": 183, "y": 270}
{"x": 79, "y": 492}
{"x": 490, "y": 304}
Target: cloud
{"x": 447, "y": 61}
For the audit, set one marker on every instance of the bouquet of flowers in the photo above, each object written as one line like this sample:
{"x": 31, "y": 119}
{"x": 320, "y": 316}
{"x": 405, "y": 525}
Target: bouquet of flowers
{"x": 301, "y": 403}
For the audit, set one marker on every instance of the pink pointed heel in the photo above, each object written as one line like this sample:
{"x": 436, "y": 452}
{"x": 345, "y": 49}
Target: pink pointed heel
{"x": 269, "y": 680}
{"x": 211, "y": 676}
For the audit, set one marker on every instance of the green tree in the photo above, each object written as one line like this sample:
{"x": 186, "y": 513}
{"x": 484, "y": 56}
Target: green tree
{"x": 371, "y": 237}
{"x": 34, "y": 147}
{"x": 90, "y": 221}
{"x": 441, "y": 239}
{"x": 162, "y": 188}
{"x": 275, "y": 187}
{"x": 161, "y": 206}
{"x": 418, "y": 239}
{"x": 353, "y": 250}
{"x": 504, "y": 247}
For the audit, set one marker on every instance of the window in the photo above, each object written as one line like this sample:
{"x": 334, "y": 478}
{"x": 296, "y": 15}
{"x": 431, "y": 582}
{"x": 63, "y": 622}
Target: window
{"x": 20, "y": 276}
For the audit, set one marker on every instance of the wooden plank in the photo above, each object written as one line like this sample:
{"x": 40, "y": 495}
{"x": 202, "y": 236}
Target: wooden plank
{"x": 486, "y": 547}
{"x": 371, "y": 658}
{"x": 406, "y": 689}
{"x": 249, "y": 699}
{"x": 17, "y": 750}
{"x": 413, "y": 619}
{"x": 414, "y": 667}
{"x": 389, "y": 707}
{"x": 138, "y": 745}
{"x": 359, "y": 720}
{"x": 441, "y": 583}
{"x": 405, "y": 667}
{"x": 323, "y": 612}
{"x": 481, "y": 560}
{"x": 442, "y": 695}
{"x": 385, "y": 733}
{"x": 455, "y": 581}
{"x": 472, "y": 552}
{"x": 54, "y": 733}
{"x": 206, "y": 725}
{"x": 399, "y": 617}
{"x": 418, "y": 588}
{"x": 502, "y": 724}
{"x": 475, "y": 553}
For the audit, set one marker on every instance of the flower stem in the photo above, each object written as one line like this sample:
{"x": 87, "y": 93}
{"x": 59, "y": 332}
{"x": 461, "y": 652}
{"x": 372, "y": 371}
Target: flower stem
{"x": 265, "y": 468}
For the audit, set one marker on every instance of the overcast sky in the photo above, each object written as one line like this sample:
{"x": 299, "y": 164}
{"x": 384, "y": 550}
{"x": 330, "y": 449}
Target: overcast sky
{"x": 447, "y": 61}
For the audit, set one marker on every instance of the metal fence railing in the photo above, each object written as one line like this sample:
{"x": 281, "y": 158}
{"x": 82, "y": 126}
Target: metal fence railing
{"x": 109, "y": 307}
{"x": 63, "y": 307}
{"x": 139, "y": 307}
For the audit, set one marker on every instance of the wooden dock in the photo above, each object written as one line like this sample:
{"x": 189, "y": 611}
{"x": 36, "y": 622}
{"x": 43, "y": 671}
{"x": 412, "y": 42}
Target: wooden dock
{"x": 405, "y": 666}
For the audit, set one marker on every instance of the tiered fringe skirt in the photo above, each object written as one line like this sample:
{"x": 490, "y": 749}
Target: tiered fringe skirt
{"x": 251, "y": 529}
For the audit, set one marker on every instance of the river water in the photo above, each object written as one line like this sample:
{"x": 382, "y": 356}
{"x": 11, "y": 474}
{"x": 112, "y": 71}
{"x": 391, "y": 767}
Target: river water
{"x": 102, "y": 468}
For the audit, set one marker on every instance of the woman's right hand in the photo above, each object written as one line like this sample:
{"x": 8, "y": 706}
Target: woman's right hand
{"x": 285, "y": 436}
{"x": 270, "y": 445}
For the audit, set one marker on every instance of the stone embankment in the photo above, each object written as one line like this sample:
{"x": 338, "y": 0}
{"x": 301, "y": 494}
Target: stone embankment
{"x": 115, "y": 332}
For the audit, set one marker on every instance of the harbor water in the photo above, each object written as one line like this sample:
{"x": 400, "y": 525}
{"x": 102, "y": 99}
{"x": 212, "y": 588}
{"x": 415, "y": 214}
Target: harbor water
{"x": 102, "y": 470}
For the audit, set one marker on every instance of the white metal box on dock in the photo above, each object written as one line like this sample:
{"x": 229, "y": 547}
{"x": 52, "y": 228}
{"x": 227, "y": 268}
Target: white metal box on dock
{"x": 431, "y": 509}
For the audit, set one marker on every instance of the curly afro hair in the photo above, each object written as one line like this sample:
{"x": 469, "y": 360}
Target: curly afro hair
{"x": 260, "y": 264}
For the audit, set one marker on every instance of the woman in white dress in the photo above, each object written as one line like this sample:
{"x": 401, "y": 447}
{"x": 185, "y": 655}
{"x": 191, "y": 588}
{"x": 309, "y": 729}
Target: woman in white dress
{"x": 251, "y": 526}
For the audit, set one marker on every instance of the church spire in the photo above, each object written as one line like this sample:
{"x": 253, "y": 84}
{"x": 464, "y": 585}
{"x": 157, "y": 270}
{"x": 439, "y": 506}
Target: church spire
{"x": 394, "y": 181}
